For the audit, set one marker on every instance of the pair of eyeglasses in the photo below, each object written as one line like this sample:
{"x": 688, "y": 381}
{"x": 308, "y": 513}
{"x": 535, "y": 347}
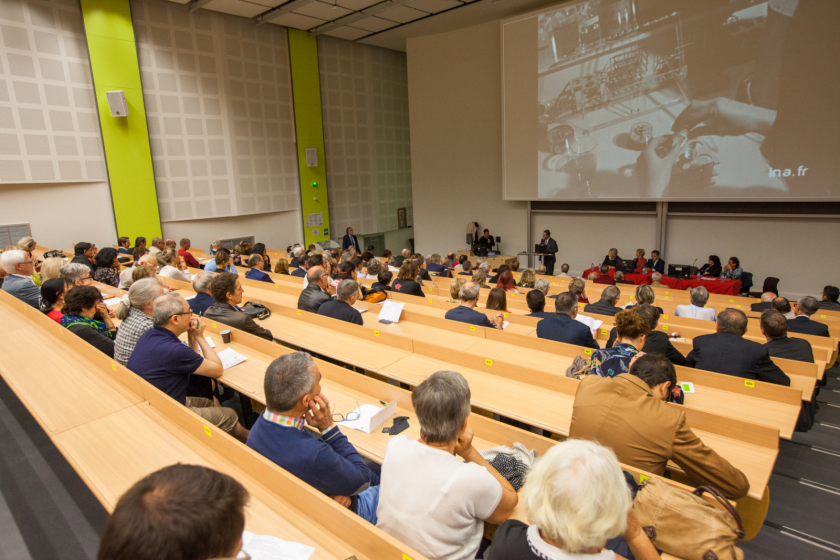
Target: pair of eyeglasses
{"x": 349, "y": 417}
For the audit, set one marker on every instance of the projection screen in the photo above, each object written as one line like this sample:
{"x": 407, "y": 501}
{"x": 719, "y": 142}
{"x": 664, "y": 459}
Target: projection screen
{"x": 672, "y": 100}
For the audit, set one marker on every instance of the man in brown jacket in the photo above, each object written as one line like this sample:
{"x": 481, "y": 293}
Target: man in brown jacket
{"x": 629, "y": 414}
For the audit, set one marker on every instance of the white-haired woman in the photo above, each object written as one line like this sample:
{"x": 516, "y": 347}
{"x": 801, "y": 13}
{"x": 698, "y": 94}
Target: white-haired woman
{"x": 577, "y": 500}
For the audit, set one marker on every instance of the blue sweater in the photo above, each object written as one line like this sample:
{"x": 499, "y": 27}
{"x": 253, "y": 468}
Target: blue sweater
{"x": 332, "y": 465}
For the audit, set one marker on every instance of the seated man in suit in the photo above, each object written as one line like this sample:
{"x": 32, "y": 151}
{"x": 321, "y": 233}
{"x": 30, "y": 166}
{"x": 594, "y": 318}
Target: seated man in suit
{"x": 774, "y": 327}
{"x": 434, "y": 264}
{"x": 830, "y": 297}
{"x": 404, "y": 254}
{"x": 656, "y": 280}
{"x": 655, "y": 263}
{"x": 563, "y": 327}
{"x": 297, "y": 251}
{"x": 341, "y": 307}
{"x": 536, "y": 303}
{"x": 612, "y": 259}
{"x": 607, "y": 303}
{"x": 604, "y": 277}
{"x": 628, "y": 414}
{"x": 656, "y": 341}
{"x": 467, "y": 266}
{"x": 697, "y": 309}
{"x": 328, "y": 462}
{"x": 728, "y": 352}
{"x": 303, "y": 266}
{"x": 255, "y": 261}
{"x": 19, "y": 266}
{"x": 466, "y": 313}
{"x": 765, "y": 303}
{"x": 316, "y": 292}
{"x": 227, "y": 294}
{"x": 803, "y": 309}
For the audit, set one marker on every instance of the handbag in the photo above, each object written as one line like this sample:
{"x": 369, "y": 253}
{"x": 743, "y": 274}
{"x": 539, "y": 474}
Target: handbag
{"x": 579, "y": 368}
{"x": 375, "y": 297}
{"x": 256, "y": 310}
{"x": 685, "y": 525}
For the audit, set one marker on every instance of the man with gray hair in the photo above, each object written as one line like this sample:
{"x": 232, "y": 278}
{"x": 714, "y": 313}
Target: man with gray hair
{"x": 255, "y": 262}
{"x": 563, "y": 327}
{"x": 316, "y": 292}
{"x": 297, "y": 251}
{"x": 203, "y": 298}
{"x": 341, "y": 307}
{"x": 163, "y": 360}
{"x": 404, "y": 254}
{"x": 802, "y": 323}
{"x": 157, "y": 246}
{"x": 136, "y": 313}
{"x": 656, "y": 280}
{"x": 330, "y": 464}
{"x": 19, "y": 267}
{"x": 765, "y": 303}
{"x": 215, "y": 245}
{"x": 424, "y": 475}
{"x": 542, "y": 285}
{"x": 607, "y": 303}
{"x": 466, "y": 313}
{"x": 729, "y": 353}
{"x": 697, "y": 309}
{"x": 171, "y": 244}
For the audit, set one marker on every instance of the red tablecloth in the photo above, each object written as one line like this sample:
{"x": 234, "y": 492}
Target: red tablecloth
{"x": 714, "y": 285}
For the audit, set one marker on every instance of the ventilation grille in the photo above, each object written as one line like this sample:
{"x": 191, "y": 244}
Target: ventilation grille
{"x": 12, "y": 233}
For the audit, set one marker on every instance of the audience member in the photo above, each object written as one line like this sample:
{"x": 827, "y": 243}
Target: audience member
{"x": 84, "y": 255}
{"x": 712, "y": 268}
{"x": 604, "y": 277}
{"x": 562, "y": 326}
{"x": 383, "y": 282}
{"x": 51, "y": 268}
{"x": 729, "y": 353}
{"x": 374, "y": 267}
{"x": 578, "y": 502}
{"x": 170, "y": 244}
{"x": 302, "y": 264}
{"x": 628, "y": 414}
{"x": 259, "y": 249}
{"x": 203, "y": 297}
{"x": 297, "y": 252}
{"x": 157, "y": 246}
{"x": 466, "y": 266}
{"x": 654, "y": 263}
{"x": 255, "y": 272}
{"x": 227, "y": 293}
{"x": 329, "y": 463}
{"x": 640, "y": 262}
{"x": 52, "y": 297}
{"x": 655, "y": 341}
{"x": 619, "y": 278}
{"x": 514, "y": 265}
{"x": 282, "y": 267}
{"x": 466, "y": 313}
{"x": 215, "y": 245}
{"x": 135, "y": 312}
{"x": 765, "y": 303}
{"x": 495, "y": 279}
{"x": 221, "y": 262}
{"x": 76, "y": 274}
{"x": 782, "y": 305}
{"x": 124, "y": 245}
{"x": 455, "y": 290}
{"x": 479, "y": 278}
{"x": 316, "y": 292}
{"x": 404, "y": 254}
{"x": 173, "y": 267}
{"x": 139, "y": 273}
{"x": 18, "y": 282}
{"x": 181, "y": 512}
{"x": 830, "y": 296}
{"x": 406, "y": 282}
{"x": 316, "y": 260}
{"x": 236, "y": 255}
{"x": 564, "y": 270}
{"x": 697, "y": 309}
{"x": 543, "y": 286}
{"x": 359, "y": 264}
{"x": 527, "y": 279}
{"x": 341, "y": 308}
{"x": 497, "y": 300}
{"x": 139, "y": 242}
{"x": 578, "y": 287}
{"x": 536, "y": 305}
{"x": 631, "y": 331}
{"x": 541, "y": 270}
{"x": 80, "y": 305}
{"x": 733, "y": 268}
{"x": 607, "y": 304}
{"x": 774, "y": 327}
{"x": 506, "y": 282}
{"x": 160, "y": 358}
{"x": 434, "y": 264}
{"x": 420, "y": 476}
{"x": 644, "y": 294}
{"x": 612, "y": 259}
{"x": 656, "y": 280}
{"x": 184, "y": 253}
{"x": 802, "y": 323}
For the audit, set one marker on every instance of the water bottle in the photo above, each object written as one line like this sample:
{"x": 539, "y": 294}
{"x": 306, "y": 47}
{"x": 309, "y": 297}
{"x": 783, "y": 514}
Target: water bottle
{"x": 592, "y": 266}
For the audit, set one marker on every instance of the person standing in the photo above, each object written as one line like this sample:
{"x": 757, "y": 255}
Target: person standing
{"x": 350, "y": 241}
{"x": 551, "y": 252}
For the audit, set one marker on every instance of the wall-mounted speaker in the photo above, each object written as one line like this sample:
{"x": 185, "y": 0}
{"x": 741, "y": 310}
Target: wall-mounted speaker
{"x": 117, "y": 103}
{"x": 311, "y": 157}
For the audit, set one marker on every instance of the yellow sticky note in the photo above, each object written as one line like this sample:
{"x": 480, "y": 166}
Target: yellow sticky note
{"x": 114, "y": 367}
{"x": 430, "y": 288}
{"x": 581, "y": 305}
{"x": 664, "y": 316}
{"x": 431, "y": 300}
{"x": 506, "y": 315}
{"x": 822, "y": 316}
{"x": 472, "y": 329}
{"x": 554, "y": 283}
{"x": 666, "y": 293}
{"x": 407, "y": 557}
{"x": 587, "y": 351}
{"x": 604, "y": 332}
{"x": 666, "y": 297}
{"x": 642, "y": 478}
{"x": 208, "y": 432}
{"x": 731, "y": 301}
{"x": 488, "y": 362}
{"x": 214, "y": 324}
{"x": 375, "y": 333}
{"x": 628, "y": 303}
{"x": 749, "y": 383}
{"x": 298, "y": 312}
{"x": 738, "y": 306}
{"x": 664, "y": 327}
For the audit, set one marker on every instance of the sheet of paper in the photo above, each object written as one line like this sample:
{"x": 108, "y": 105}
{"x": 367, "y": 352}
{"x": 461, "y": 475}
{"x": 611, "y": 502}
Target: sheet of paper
{"x": 505, "y": 324}
{"x": 391, "y": 311}
{"x": 210, "y": 342}
{"x": 230, "y": 358}
{"x": 265, "y": 547}
{"x": 189, "y": 297}
{"x": 593, "y": 324}
{"x": 393, "y": 268}
{"x": 370, "y": 417}
{"x": 112, "y": 301}
{"x": 360, "y": 310}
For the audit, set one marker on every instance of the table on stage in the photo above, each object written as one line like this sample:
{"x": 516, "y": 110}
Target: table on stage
{"x": 725, "y": 286}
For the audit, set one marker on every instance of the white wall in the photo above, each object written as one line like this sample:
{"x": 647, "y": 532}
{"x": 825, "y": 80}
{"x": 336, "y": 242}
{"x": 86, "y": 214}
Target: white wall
{"x": 801, "y": 252}
{"x": 277, "y": 230}
{"x": 455, "y": 105}
{"x": 583, "y": 239}
{"x": 61, "y": 214}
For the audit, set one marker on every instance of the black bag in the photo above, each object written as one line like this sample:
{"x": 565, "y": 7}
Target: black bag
{"x": 256, "y": 311}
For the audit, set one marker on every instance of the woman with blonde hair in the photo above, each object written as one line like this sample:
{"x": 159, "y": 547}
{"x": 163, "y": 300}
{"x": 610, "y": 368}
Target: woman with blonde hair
{"x": 578, "y": 288}
{"x": 50, "y": 268}
{"x": 640, "y": 261}
{"x": 528, "y": 278}
{"x": 282, "y": 267}
{"x": 455, "y": 290}
{"x": 479, "y": 278}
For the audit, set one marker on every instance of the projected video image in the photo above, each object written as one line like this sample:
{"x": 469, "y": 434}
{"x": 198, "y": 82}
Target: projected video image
{"x": 668, "y": 99}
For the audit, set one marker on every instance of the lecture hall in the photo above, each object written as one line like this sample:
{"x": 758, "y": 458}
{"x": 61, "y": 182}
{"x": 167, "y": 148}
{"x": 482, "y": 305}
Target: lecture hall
{"x": 419, "y": 279}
